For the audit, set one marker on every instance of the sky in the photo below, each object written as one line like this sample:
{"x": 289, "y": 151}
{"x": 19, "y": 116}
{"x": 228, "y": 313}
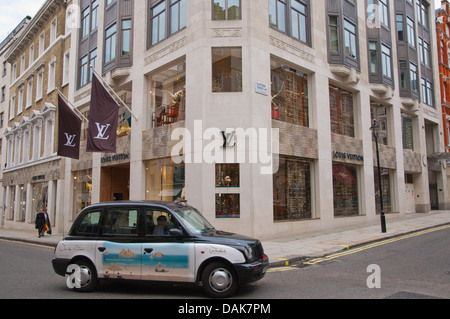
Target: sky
{"x": 14, "y": 11}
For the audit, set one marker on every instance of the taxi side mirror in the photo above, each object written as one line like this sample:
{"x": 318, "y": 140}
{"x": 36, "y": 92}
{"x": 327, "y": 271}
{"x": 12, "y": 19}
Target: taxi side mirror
{"x": 176, "y": 232}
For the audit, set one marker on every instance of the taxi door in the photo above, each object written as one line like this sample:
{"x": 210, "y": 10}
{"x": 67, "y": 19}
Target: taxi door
{"x": 165, "y": 257}
{"x": 119, "y": 250}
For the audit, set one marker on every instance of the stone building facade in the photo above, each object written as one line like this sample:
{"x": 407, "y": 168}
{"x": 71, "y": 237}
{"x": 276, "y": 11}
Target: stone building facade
{"x": 259, "y": 113}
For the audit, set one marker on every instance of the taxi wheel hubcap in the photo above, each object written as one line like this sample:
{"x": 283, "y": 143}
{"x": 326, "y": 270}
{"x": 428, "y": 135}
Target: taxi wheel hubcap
{"x": 220, "y": 280}
{"x": 85, "y": 276}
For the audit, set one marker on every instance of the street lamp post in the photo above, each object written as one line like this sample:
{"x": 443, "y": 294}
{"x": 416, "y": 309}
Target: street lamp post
{"x": 375, "y": 129}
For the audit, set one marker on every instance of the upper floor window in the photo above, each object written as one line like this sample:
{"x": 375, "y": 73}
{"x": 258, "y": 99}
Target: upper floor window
{"x": 227, "y": 69}
{"x": 126, "y": 36}
{"x": 386, "y": 61}
{"x": 350, "y": 39}
{"x": 384, "y": 12}
{"x": 411, "y": 32}
{"x": 290, "y": 17}
{"x": 89, "y": 18}
{"x": 422, "y": 13}
{"x": 110, "y": 43}
{"x": 342, "y": 111}
{"x": 53, "y": 30}
{"x": 85, "y": 22}
{"x": 166, "y": 18}
{"x": 227, "y": 9}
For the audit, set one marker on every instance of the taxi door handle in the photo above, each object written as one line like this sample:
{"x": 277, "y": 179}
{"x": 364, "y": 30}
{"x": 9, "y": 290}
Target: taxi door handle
{"x": 148, "y": 250}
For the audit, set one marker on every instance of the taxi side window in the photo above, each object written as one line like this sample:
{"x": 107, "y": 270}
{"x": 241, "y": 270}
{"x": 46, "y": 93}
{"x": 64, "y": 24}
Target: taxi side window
{"x": 89, "y": 224}
{"x": 120, "y": 222}
{"x": 158, "y": 222}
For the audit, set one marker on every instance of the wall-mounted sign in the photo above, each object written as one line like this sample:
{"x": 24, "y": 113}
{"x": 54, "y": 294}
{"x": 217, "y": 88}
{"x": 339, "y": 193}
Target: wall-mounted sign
{"x": 348, "y": 156}
{"x": 38, "y": 178}
{"x": 262, "y": 88}
{"x": 115, "y": 158}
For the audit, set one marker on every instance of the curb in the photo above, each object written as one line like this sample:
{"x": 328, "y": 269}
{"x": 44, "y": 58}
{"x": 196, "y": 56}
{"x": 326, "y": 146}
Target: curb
{"x": 28, "y": 241}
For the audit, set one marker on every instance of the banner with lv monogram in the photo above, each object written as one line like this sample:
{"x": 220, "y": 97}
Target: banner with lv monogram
{"x": 103, "y": 120}
{"x": 69, "y": 131}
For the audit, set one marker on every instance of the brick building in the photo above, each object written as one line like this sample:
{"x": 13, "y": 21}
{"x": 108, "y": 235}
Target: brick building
{"x": 39, "y": 64}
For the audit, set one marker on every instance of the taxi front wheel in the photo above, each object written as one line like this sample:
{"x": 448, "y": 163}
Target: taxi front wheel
{"x": 219, "y": 280}
{"x": 84, "y": 279}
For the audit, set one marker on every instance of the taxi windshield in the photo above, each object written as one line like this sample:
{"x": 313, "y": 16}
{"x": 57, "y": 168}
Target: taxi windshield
{"x": 193, "y": 220}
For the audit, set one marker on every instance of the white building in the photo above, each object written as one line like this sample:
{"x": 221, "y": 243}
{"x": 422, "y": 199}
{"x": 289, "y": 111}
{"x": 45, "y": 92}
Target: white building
{"x": 318, "y": 72}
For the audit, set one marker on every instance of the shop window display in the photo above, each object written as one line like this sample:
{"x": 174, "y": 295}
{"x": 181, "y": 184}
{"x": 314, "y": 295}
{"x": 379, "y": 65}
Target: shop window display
{"x": 228, "y": 206}
{"x": 227, "y": 175}
{"x": 165, "y": 180}
{"x": 292, "y": 190}
{"x": 345, "y": 190}
{"x": 168, "y": 95}
{"x": 289, "y": 95}
{"x": 226, "y": 70}
{"x": 40, "y": 196}
{"x": 82, "y": 186}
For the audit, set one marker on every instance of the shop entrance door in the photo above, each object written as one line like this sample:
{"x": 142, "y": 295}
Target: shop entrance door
{"x": 115, "y": 183}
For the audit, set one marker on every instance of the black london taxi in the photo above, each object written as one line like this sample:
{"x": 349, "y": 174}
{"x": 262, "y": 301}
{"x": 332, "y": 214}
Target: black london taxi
{"x": 156, "y": 241}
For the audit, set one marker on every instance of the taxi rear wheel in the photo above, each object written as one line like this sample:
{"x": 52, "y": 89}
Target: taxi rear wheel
{"x": 219, "y": 280}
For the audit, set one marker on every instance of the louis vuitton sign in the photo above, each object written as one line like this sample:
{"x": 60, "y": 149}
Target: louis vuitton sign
{"x": 347, "y": 156}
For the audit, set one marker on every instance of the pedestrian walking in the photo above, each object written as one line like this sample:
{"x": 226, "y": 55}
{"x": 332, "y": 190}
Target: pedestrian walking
{"x": 40, "y": 222}
{"x": 47, "y": 226}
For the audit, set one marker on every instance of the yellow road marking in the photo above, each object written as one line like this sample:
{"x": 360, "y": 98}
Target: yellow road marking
{"x": 369, "y": 246}
{"x": 281, "y": 269}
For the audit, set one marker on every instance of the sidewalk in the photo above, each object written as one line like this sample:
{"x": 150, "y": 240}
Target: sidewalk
{"x": 285, "y": 251}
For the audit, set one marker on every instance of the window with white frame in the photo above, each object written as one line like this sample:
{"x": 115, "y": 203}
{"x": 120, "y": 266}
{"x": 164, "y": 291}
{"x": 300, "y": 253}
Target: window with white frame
{"x": 51, "y": 75}
{"x": 22, "y": 64}
{"x": 12, "y": 107}
{"x": 66, "y": 66}
{"x": 29, "y": 93}
{"x": 37, "y": 142}
{"x": 31, "y": 56}
{"x": 49, "y": 133}
{"x": 53, "y": 30}
{"x": 17, "y": 150}
{"x": 14, "y": 72}
{"x": 20, "y": 100}
{"x": 41, "y": 43}
{"x": 26, "y": 147}
{"x": 39, "y": 84}
{"x": 9, "y": 156}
